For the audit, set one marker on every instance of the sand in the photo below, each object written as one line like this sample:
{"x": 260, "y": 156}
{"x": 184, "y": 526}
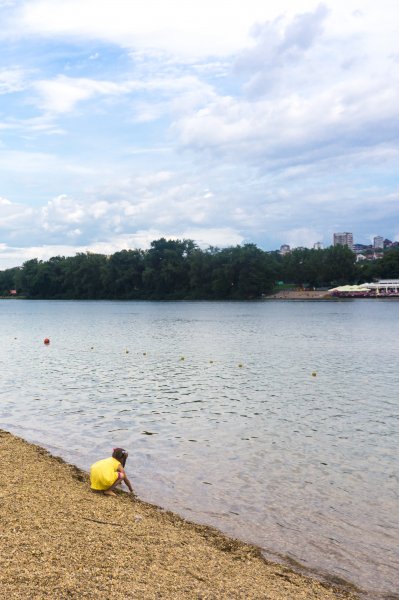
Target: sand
{"x": 300, "y": 295}
{"x": 60, "y": 540}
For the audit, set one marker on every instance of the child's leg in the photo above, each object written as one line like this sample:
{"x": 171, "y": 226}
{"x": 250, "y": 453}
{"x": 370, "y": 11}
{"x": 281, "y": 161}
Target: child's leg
{"x": 110, "y": 490}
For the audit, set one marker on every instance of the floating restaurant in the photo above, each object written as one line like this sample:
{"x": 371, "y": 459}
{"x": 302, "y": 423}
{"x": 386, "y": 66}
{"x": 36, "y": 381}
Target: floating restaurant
{"x": 384, "y": 288}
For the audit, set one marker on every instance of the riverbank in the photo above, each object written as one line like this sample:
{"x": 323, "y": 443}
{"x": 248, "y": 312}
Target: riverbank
{"x": 300, "y": 295}
{"x": 60, "y": 540}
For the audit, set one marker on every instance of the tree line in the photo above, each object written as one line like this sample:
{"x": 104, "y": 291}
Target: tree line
{"x": 179, "y": 269}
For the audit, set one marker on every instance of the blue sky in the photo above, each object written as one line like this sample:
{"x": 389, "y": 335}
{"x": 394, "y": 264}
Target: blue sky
{"x": 223, "y": 122}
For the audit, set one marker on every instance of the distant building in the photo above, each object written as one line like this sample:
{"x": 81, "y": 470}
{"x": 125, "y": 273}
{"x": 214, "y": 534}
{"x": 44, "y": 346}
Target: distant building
{"x": 343, "y": 239}
{"x": 285, "y": 249}
{"x": 318, "y": 246}
{"x": 378, "y": 242}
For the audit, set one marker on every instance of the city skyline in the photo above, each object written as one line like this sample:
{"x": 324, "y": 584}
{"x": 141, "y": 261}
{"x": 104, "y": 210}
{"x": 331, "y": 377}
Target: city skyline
{"x": 225, "y": 123}
{"x": 344, "y": 239}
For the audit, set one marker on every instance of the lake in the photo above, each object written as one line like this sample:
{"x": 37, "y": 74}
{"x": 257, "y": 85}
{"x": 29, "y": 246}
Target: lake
{"x": 276, "y": 422}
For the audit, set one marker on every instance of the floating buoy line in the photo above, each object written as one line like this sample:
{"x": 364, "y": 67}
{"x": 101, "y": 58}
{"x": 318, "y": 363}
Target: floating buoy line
{"x": 46, "y": 341}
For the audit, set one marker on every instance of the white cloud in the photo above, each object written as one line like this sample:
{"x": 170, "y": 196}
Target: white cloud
{"x": 168, "y": 94}
{"x": 63, "y": 93}
{"x": 281, "y": 40}
{"x": 62, "y": 212}
{"x": 188, "y": 28}
{"x": 14, "y": 217}
{"x": 303, "y": 100}
{"x": 12, "y": 80}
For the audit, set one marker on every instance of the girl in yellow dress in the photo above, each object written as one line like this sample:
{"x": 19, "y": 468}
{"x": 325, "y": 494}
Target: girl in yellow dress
{"x": 106, "y": 474}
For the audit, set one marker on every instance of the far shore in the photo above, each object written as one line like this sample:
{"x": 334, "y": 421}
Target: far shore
{"x": 300, "y": 295}
{"x": 61, "y": 540}
{"x": 283, "y": 295}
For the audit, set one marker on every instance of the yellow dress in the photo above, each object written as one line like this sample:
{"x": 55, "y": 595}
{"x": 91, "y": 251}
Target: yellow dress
{"x": 104, "y": 473}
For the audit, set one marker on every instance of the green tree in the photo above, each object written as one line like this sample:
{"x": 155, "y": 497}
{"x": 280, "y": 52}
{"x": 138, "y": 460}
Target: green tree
{"x": 253, "y": 272}
{"x": 28, "y": 278}
{"x": 84, "y": 276}
{"x": 339, "y": 265}
{"x": 178, "y": 269}
{"x": 388, "y": 265}
{"x": 8, "y": 279}
{"x": 200, "y": 274}
{"x": 166, "y": 269}
{"x": 124, "y": 274}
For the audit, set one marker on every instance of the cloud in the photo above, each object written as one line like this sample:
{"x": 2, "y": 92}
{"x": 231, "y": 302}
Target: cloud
{"x": 156, "y": 202}
{"x": 14, "y": 218}
{"x": 282, "y": 40}
{"x": 12, "y": 80}
{"x": 186, "y": 29}
{"x": 301, "y": 102}
{"x": 304, "y": 29}
{"x": 151, "y": 98}
{"x": 61, "y": 94}
{"x": 62, "y": 212}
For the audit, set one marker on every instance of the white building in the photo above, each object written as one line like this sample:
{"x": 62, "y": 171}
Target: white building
{"x": 318, "y": 246}
{"x": 343, "y": 239}
{"x": 285, "y": 249}
{"x": 378, "y": 242}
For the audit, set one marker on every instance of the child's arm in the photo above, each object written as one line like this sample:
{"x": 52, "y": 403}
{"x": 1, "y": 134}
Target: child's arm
{"x": 125, "y": 478}
{"x": 129, "y": 485}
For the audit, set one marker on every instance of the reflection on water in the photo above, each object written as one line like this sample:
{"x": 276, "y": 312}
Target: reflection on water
{"x": 224, "y": 421}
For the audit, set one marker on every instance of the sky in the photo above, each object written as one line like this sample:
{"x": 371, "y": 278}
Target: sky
{"x": 223, "y": 122}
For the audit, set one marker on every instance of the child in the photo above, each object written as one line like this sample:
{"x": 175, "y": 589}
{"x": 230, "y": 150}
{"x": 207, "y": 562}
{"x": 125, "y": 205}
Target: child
{"x": 106, "y": 474}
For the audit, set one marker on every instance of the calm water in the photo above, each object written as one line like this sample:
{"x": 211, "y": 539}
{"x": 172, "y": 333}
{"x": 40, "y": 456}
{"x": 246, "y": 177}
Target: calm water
{"x": 223, "y": 419}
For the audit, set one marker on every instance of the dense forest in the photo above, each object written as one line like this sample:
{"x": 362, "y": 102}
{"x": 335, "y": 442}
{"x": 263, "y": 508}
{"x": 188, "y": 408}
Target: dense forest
{"x": 178, "y": 269}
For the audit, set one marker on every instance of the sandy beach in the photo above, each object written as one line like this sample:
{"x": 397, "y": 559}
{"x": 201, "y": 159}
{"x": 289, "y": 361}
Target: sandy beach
{"x": 300, "y": 295}
{"x": 61, "y": 540}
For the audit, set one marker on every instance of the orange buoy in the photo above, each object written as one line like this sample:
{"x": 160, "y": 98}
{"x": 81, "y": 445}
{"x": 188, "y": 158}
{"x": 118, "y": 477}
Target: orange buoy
{"x": 46, "y": 341}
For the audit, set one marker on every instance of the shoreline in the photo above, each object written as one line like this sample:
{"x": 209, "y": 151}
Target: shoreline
{"x": 300, "y": 295}
{"x": 62, "y": 540}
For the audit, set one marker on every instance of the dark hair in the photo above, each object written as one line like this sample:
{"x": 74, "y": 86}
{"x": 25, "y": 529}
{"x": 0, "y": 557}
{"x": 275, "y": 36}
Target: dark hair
{"x": 120, "y": 454}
